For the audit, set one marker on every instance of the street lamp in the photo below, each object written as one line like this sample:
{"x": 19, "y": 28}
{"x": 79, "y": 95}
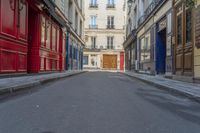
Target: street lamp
{"x": 130, "y": 3}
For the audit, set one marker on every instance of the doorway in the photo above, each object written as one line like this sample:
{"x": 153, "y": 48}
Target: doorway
{"x": 33, "y": 50}
{"x": 161, "y": 52}
{"x": 183, "y": 41}
{"x": 110, "y": 62}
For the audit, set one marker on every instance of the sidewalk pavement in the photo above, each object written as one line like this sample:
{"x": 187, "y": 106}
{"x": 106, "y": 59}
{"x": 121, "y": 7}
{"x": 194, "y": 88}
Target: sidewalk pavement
{"x": 9, "y": 85}
{"x": 191, "y": 90}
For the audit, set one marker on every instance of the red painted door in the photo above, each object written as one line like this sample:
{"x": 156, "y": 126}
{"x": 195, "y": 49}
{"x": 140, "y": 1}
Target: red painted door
{"x": 122, "y": 61}
{"x": 22, "y": 23}
{"x": 13, "y": 35}
{"x": 8, "y": 17}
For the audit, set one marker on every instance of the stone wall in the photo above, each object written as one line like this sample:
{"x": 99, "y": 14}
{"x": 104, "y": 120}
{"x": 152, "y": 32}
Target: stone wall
{"x": 197, "y": 43}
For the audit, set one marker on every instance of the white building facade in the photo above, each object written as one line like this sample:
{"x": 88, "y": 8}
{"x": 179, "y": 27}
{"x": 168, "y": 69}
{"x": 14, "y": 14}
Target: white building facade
{"x": 104, "y": 34}
{"x": 73, "y": 12}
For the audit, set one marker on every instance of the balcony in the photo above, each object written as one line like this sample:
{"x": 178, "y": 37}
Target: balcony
{"x": 93, "y": 26}
{"x": 93, "y": 6}
{"x": 110, "y": 6}
{"x": 154, "y": 4}
{"x": 110, "y": 47}
{"x": 110, "y": 26}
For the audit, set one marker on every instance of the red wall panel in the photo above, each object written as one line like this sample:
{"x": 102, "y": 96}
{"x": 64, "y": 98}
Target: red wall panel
{"x": 8, "y": 61}
{"x": 22, "y": 62}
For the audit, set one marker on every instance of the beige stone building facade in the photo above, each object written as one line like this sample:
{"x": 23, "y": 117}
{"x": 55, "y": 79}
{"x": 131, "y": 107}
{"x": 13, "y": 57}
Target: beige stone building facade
{"x": 104, "y": 34}
{"x": 197, "y": 43}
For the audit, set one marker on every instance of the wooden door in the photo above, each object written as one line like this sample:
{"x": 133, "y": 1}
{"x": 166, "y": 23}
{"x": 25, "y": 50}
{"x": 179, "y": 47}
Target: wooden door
{"x": 184, "y": 46}
{"x": 110, "y": 61}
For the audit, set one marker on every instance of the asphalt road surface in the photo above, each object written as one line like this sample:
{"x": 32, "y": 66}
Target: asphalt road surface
{"x": 98, "y": 102}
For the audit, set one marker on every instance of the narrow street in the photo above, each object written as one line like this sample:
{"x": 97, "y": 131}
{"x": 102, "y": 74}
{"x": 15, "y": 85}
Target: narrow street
{"x": 98, "y": 102}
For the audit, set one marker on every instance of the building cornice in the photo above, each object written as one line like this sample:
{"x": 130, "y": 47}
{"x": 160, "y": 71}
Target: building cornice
{"x": 132, "y": 36}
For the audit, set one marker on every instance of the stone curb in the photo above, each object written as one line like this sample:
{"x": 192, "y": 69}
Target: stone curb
{"x": 165, "y": 87}
{"x": 12, "y": 89}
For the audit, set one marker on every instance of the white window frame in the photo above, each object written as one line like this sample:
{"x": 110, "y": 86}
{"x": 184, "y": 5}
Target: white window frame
{"x": 93, "y": 20}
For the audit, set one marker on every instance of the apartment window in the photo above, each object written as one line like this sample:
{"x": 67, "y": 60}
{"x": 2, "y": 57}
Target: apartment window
{"x": 169, "y": 23}
{"x": 70, "y": 9}
{"x": 111, "y": 4}
{"x": 110, "y": 40}
{"x": 93, "y": 42}
{"x": 93, "y": 4}
{"x": 110, "y": 22}
{"x": 93, "y": 24}
{"x": 80, "y": 29}
{"x": 63, "y": 5}
{"x": 76, "y": 21}
{"x": 179, "y": 29}
{"x": 188, "y": 26}
{"x": 129, "y": 26}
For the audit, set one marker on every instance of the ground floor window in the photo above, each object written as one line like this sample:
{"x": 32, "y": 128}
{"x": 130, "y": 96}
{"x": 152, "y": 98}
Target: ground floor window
{"x": 85, "y": 60}
{"x": 145, "y": 48}
{"x": 93, "y": 60}
{"x": 133, "y": 53}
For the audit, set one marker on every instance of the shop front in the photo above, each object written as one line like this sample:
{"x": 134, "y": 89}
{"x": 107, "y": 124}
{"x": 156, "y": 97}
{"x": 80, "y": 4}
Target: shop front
{"x": 46, "y": 38}
{"x": 146, "y": 46}
{"x": 13, "y": 36}
{"x": 31, "y": 37}
{"x": 130, "y": 46}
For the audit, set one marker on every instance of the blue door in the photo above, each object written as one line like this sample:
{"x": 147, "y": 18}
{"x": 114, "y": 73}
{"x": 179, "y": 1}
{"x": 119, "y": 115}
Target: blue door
{"x": 67, "y": 52}
{"x": 161, "y": 52}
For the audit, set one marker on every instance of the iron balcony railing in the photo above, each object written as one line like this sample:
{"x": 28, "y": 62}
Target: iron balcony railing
{"x": 93, "y": 5}
{"x": 110, "y": 26}
{"x": 93, "y": 26}
{"x": 110, "y": 6}
{"x": 149, "y": 10}
{"x": 110, "y": 47}
{"x": 132, "y": 33}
